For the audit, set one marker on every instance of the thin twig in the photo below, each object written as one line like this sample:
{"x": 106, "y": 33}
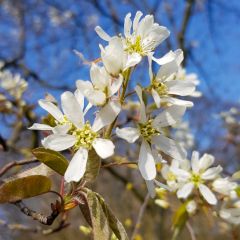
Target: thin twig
{"x": 140, "y": 216}
{"x": 10, "y": 165}
{"x": 117, "y": 164}
{"x": 191, "y": 231}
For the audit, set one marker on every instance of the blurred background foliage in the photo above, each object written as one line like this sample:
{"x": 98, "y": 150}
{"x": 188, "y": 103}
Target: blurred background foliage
{"x": 38, "y": 42}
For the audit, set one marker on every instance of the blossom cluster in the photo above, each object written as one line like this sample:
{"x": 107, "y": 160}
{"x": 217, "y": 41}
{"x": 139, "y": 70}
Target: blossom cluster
{"x": 105, "y": 93}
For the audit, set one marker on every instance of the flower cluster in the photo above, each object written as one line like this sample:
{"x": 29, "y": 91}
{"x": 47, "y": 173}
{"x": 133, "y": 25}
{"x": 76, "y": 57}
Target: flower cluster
{"x": 196, "y": 181}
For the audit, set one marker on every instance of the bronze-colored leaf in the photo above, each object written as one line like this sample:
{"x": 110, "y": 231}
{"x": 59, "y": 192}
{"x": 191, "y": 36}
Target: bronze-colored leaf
{"x": 52, "y": 159}
{"x": 93, "y": 166}
{"x": 101, "y": 218}
{"x": 25, "y": 187}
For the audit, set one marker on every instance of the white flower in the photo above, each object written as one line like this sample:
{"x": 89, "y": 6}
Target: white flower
{"x": 13, "y": 83}
{"x": 168, "y": 173}
{"x": 141, "y": 37}
{"x": 71, "y": 131}
{"x": 165, "y": 86}
{"x": 197, "y": 177}
{"x": 150, "y": 131}
{"x": 231, "y": 214}
{"x": 115, "y": 58}
{"x": 101, "y": 87}
{"x": 224, "y": 186}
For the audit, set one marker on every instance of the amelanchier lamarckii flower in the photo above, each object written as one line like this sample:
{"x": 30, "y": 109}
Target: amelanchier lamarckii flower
{"x": 71, "y": 131}
{"x": 198, "y": 176}
{"x": 165, "y": 87}
{"x": 102, "y": 87}
{"x": 141, "y": 36}
{"x": 152, "y": 136}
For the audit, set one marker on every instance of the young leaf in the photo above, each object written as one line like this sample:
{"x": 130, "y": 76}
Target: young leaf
{"x": 100, "y": 218}
{"x": 52, "y": 159}
{"x": 26, "y": 187}
{"x": 93, "y": 166}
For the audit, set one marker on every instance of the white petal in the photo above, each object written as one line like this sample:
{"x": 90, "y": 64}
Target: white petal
{"x": 80, "y": 98}
{"x": 72, "y": 109}
{"x": 52, "y": 109}
{"x": 150, "y": 66}
{"x": 167, "y": 58}
{"x": 84, "y": 86}
{"x": 62, "y": 129}
{"x": 132, "y": 60}
{"x": 207, "y": 194}
{"x": 181, "y": 174}
{"x": 102, "y": 34}
{"x": 146, "y": 162}
{"x": 59, "y": 142}
{"x": 156, "y": 98}
{"x": 115, "y": 86}
{"x": 178, "y": 102}
{"x": 96, "y": 97}
{"x": 106, "y": 115}
{"x": 180, "y": 87}
{"x": 103, "y": 147}
{"x": 143, "y": 117}
{"x": 173, "y": 60}
{"x": 169, "y": 147}
{"x": 136, "y": 20}
{"x": 206, "y": 161}
{"x": 212, "y": 173}
{"x": 128, "y": 133}
{"x": 99, "y": 77}
{"x": 41, "y": 127}
{"x": 195, "y": 162}
{"x": 185, "y": 190}
{"x": 127, "y": 25}
{"x": 77, "y": 166}
{"x": 170, "y": 116}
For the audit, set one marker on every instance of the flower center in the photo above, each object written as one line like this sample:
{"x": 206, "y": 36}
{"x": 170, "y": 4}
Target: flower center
{"x": 196, "y": 179}
{"x": 171, "y": 176}
{"x": 147, "y": 131}
{"x": 134, "y": 47}
{"x": 160, "y": 87}
{"x": 85, "y": 137}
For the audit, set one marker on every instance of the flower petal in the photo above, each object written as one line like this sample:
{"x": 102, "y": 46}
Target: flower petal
{"x": 180, "y": 87}
{"x": 212, "y": 173}
{"x": 206, "y": 161}
{"x": 77, "y": 166}
{"x": 128, "y": 133}
{"x": 103, "y": 147}
{"x": 169, "y": 147}
{"x": 178, "y": 102}
{"x": 156, "y": 98}
{"x": 195, "y": 162}
{"x": 132, "y": 60}
{"x": 127, "y": 25}
{"x": 115, "y": 86}
{"x": 207, "y": 194}
{"x": 72, "y": 109}
{"x": 106, "y": 115}
{"x": 62, "y": 129}
{"x": 80, "y": 98}
{"x": 146, "y": 162}
{"x": 52, "y": 109}
{"x": 136, "y": 20}
{"x": 143, "y": 117}
{"x": 59, "y": 142}
{"x": 41, "y": 127}
{"x": 170, "y": 116}
{"x": 185, "y": 190}
{"x": 102, "y": 34}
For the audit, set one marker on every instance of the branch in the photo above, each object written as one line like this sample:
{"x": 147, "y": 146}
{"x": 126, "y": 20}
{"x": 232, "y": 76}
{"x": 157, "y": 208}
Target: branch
{"x": 140, "y": 216}
{"x": 46, "y": 220}
{"x": 10, "y": 165}
{"x": 182, "y": 33}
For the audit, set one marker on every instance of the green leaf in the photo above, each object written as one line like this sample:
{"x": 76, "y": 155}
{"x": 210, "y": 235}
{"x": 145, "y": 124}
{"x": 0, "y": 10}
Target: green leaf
{"x": 101, "y": 218}
{"x": 52, "y": 159}
{"x": 25, "y": 187}
{"x": 179, "y": 219}
{"x": 93, "y": 166}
